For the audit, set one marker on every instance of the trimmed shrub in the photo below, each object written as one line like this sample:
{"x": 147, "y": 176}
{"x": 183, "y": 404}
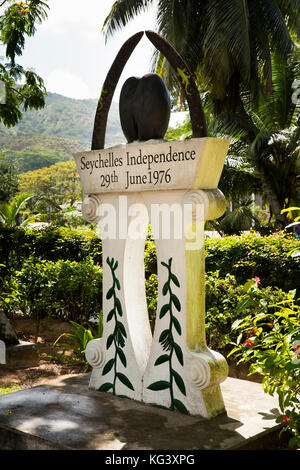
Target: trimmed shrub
{"x": 63, "y": 289}
{"x": 50, "y": 243}
{"x": 249, "y": 255}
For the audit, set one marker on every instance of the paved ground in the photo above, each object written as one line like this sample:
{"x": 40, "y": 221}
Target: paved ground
{"x": 65, "y": 414}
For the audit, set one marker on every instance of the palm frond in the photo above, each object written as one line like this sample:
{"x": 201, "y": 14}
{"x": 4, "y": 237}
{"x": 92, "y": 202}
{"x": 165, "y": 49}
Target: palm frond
{"x": 121, "y": 13}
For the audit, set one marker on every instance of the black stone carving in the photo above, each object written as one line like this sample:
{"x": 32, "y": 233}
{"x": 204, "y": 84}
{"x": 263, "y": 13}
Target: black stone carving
{"x": 144, "y": 108}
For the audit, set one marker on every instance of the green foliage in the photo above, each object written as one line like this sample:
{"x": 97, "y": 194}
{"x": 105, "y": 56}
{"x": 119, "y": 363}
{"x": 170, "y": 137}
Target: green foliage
{"x": 59, "y": 183}
{"x": 227, "y": 301}
{"x": 151, "y": 296}
{"x": 64, "y": 289}
{"x": 269, "y": 339}
{"x": 251, "y": 255}
{"x": 50, "y": 243}
{"x": 17, "y": 22}
{"x": 9, "y": 184}
{"x": 79, "y": 340}
{"x": 64, "y": 126}
{"x": 10, "y": 212}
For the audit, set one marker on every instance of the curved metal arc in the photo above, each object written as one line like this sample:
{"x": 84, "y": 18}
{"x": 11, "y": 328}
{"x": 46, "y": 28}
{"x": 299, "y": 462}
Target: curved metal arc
{"x": 108, "y": 89}
{"x": 186, "y": 79}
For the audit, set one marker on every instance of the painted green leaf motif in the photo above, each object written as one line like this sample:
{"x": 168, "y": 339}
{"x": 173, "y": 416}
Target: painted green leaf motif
{"x": 160, "y": 385}
{"x": 120, "y": 339}
{"x": 179, "y": 382}
{"x": 180, "y": 406}
{"x": 121, "y": 328}
{"x": 124, "y": 380}
{"x": 122, "y": 357}
{"x": 161, "y": 406}
{"x": 105, "y": 387}
{"x": 175, "y": 279}
{"x": 109, "y": 341}
{"x": 165, "y": 288}
{"x": 162, "y": 359}
{"x": 110, "y": 293}
{"x": 118, "y": 334}
{"x": 176, "y": 302}
{"x": 108, "y": 366}
{"x": 166, "y": 340}
{"x": 165, "y": 308}
{"x": 177, "y": 325}
{"x": 119, "y": 307}
{"x": 110, "y": 315}
{"x": 178, "y": 353}
{"x": 163, "y": 335}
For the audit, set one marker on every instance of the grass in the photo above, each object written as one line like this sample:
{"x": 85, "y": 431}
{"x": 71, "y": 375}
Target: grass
{"x": 9, "y": 388}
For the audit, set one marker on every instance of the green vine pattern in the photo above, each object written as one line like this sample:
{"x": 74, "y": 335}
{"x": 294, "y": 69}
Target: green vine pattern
{"x": 169, "y": 346}
{"x": 117, "y": 338}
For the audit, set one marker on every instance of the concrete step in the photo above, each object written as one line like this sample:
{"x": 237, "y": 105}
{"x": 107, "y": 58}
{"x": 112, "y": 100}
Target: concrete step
{"x": 65, "y": 414}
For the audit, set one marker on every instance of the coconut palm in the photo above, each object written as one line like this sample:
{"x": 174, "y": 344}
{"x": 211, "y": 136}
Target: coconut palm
{"x": 227, "y": 44}
{"x": 268, "y": 140}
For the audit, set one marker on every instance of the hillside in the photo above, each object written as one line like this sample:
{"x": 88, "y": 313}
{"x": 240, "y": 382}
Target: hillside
{"x": 63, "y": 127}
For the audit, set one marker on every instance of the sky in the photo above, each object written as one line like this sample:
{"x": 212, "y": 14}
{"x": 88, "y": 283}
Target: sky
{"x": 68, "y": 50}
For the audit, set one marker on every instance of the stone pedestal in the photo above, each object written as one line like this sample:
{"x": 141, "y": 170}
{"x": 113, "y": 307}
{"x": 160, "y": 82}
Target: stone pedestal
{"x": 173, "y": 187}
{"x": 20, "y": 356}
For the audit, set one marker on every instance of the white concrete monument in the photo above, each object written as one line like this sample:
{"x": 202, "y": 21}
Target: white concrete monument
{"x": 173, "y": 186}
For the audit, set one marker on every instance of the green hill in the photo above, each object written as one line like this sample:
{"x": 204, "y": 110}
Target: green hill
{"x": 52, "y": 134}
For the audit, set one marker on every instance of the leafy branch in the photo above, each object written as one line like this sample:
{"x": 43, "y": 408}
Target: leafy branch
{"x": 168, "y": 343}
{"x": 117, "y": 338}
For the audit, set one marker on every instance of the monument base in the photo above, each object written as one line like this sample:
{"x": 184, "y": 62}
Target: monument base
{"x": 41, "y": 419}
{"x": 21, "y": 356}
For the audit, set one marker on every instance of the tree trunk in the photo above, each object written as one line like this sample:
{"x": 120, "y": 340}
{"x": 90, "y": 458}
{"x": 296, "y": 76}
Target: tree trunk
{"x": 272, "y": 198}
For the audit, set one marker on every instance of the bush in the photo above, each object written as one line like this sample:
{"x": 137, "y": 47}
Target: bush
{"x": 50, "y": 243}
{"x": 64, "y": 289}
{"x": 270, "y": 340}
{"x": 250, "y": 255}
{"x": 227, "y": 301}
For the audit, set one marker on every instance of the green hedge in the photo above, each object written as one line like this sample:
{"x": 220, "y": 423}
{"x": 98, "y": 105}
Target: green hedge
{"x": 68, "y": 290}
{"x": 51, "y": 243}
{"x": 251, "y": 255}
{"x": 61, "y": 262}
{"x": 244, "y": 256}
{"x": 227, "y": 301}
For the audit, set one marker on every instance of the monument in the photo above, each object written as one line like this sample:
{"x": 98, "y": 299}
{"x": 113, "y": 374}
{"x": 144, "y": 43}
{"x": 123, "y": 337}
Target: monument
{"x": 173, "y": 186}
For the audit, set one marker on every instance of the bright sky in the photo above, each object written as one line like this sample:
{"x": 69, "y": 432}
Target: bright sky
{"x": 69, "y": 51}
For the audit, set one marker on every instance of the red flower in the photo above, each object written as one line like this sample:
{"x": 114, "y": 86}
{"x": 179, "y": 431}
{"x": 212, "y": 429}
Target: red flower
{"x": 248, "y": 343}
{"x": 257, "y": 280}
{"x": 285, "y": 419}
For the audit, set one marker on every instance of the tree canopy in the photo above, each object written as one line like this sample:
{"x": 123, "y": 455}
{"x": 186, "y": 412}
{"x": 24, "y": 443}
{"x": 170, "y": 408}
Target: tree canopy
{"x": 244, "y": 57}
{"x": 21, "y": 89}
{"x": 59, "y": 183}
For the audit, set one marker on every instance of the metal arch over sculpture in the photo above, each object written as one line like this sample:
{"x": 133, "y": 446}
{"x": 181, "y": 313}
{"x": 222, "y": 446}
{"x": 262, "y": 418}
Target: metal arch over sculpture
{"x": 188, "y": 84}
{"x": 142, "y": 183}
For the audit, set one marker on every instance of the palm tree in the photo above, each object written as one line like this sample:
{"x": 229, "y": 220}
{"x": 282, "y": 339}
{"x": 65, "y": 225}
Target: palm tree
{"x": 10, "y": 211}
{"x": 268, "y": 140}
{"x": 226, "y": 44}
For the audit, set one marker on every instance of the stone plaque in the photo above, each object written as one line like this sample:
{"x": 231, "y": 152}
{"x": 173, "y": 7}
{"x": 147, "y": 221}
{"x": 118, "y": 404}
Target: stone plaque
{"x": 153, "y": 165}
